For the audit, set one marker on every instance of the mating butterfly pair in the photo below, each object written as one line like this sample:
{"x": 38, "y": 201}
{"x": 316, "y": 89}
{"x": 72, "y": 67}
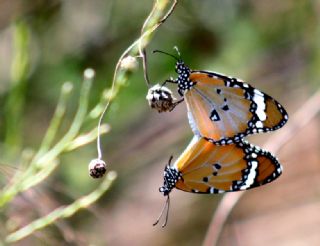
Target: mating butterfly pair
{"x": 221, "y": 111}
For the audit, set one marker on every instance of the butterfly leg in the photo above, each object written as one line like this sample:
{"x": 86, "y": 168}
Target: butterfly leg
{"x": 171, "y": 80}
{"x": 177, "y": 102}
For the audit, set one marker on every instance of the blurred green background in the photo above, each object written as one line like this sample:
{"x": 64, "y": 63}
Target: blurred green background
{"x": 273, "y": 45}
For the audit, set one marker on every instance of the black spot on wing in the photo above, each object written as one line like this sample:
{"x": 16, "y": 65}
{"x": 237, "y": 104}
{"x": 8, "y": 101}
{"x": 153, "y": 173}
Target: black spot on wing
{"x": 225, "y": 107}
{"x": 214, "y": 116}
{"x": 217, "y": 165}
{"x": 213, "y": 190}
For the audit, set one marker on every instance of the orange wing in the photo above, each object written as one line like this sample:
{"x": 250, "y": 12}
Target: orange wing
{"x": 208, "y": 168}
{"x": 224, "y": 110}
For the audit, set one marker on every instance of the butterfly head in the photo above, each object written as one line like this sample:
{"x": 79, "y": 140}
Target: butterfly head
{"x": 171, "y": 176}
{"x": 182, "y": 69}
{"x": 165, "y": 190}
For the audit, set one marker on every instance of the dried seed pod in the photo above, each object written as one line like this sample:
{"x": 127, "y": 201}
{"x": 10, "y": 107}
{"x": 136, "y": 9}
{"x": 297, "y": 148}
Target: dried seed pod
{"x": 161, "y": 98}
{"x": 97, "y": 168}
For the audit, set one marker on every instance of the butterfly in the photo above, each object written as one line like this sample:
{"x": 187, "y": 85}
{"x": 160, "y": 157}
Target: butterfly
{"x": 208, "y": 168}
{"x": 225, "y": 109}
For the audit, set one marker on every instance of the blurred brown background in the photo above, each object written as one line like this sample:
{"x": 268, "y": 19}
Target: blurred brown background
{"x": 273, "y": 45}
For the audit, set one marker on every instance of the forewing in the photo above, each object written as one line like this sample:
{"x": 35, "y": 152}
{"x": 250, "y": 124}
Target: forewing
{"x": 225, "y": 110}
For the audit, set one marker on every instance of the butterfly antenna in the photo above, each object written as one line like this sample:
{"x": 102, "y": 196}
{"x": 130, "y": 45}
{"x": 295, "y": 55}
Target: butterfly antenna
{"x": 160, "y": 51}
{"x": 176, "y": 48}
{"x": 170, "y": 159}
{"x": 167, "y": 214}
{"x": 165, "y": 208}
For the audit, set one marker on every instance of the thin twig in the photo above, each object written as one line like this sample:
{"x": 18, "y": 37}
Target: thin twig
{"x": 142, "y": 54}
{"x": 175, "y": 2}
{"x": 112, "y": 90}
{"x": 298, "y": 121}
{"x": 142, "y": 50}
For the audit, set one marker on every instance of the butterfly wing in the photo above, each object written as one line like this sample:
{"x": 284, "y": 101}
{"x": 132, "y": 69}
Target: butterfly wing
{"x": 210, "y": 168}
{"x": 225, "y": 110}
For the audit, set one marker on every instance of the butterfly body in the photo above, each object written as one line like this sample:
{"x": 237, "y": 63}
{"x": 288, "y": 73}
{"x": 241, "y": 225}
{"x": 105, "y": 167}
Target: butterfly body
{"x": 225, "y": 109}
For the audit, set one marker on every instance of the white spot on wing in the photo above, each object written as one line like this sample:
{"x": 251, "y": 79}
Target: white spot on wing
{"x": 251, "y": 176}
{"x": 259, "y": 124}
{"x": 258, "y": 98}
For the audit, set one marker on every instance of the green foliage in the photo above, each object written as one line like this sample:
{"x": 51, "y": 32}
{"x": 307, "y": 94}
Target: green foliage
{"x": 41, "y": 164}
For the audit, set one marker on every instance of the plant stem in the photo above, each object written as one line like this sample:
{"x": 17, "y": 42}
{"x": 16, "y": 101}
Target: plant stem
{"x": 15, "y": 103}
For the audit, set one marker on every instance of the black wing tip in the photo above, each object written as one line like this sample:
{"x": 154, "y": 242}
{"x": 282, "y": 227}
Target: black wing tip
{"x": 274, "y": 160}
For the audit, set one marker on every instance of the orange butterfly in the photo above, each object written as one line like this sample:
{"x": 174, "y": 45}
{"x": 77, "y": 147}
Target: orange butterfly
{"x": 225, "y": 109}
{"x": 208, "y": 168}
